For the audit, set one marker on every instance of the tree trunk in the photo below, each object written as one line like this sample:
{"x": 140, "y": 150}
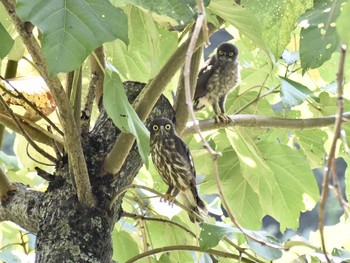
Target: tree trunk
{"x": 67, "y": 231}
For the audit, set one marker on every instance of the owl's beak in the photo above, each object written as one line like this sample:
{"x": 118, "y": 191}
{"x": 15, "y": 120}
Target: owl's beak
{"x": 161, "y": 130}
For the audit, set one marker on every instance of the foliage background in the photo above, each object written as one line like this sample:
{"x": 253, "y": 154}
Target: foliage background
{"x": 289, "y": 52}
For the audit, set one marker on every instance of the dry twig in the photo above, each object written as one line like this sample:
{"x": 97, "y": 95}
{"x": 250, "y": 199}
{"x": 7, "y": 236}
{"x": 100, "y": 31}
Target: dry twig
{"x": 331, "y": 156}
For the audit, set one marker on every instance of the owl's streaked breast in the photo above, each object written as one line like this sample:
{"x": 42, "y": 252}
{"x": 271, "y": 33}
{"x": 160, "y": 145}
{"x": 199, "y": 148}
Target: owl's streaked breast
{"x": 173, "y": 168}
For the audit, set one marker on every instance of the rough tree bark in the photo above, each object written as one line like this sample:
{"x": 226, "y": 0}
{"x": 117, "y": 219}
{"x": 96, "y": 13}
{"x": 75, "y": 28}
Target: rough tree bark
{"x": 66, "y": 231}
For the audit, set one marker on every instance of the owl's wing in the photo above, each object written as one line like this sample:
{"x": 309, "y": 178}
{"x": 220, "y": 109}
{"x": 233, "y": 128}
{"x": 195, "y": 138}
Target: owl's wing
{"x": 183, "y": 150}
{"x": 204, "y": 75}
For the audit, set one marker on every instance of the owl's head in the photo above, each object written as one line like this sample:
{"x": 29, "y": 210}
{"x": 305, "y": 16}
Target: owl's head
{"x": 227, "y": 52}
{"x": 161, "y": 127}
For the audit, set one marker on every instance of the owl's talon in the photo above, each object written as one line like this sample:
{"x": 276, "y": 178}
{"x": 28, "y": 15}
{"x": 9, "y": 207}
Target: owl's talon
{"x": 168, "y": 198}
{"x": 223, "y": 118}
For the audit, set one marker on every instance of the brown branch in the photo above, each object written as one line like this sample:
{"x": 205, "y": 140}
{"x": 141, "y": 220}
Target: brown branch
{"x": 180, "y": 105}
{"x": 250, "y": 120}
{"x": 331, "y": 155}
{"x": 29, "y": 103}
{"x": 89, "y": 101}
{"x": 97, "y": 66}
{"x": 145, "y": 102}
{"x": 35, "y": 131}
{"x": 24, "y": 133}
{"x": 161, "y": 220}
{"x": 71, "y": 135}
{"x": 164, "y": 249}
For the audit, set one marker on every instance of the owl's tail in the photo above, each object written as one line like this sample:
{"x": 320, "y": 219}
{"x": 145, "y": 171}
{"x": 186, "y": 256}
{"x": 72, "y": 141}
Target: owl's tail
{"x": 191, "y": 200}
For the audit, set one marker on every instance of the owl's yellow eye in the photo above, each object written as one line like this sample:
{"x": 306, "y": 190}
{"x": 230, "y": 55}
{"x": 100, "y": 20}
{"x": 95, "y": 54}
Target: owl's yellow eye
{"x": 155, "y": 127}
{"x": 221, "y": 52}
{"x": 230, "y": 54}
{"x": 167, "y": 126}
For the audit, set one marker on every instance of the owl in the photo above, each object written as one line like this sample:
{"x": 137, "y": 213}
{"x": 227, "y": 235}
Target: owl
{"x": 220, "y": 74}
{"x": 174, "y": 163}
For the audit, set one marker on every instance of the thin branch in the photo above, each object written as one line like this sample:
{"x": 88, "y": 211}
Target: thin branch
{"x": 89, "y": 101}
{"x": 71, "y": 135}
{"x": 30, "y": 104}
{"x": 331, "y": 155}
{"x": 24, "y": 132}
{"x": 161, "y": 220}
{"x": 164, "y": 249}
{"x": 97, "y": 66}
{"x": 180, "y": 105}
{"x": 186, "y": 73}
{"x": 251, "y": 120}
{"x": 35, "y": 131}
{"x": 145, "y": 102}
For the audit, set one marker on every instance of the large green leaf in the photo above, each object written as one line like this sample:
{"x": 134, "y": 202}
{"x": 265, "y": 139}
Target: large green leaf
{"x": 243, "y": 19}
{"x": 122, "y": 113}
{"x": 149, "y": 47}
{"x": 6, "y": 42}
{"x": 72, "y": 29}
{"x": 242, "y": 199}
{"x": 294, "y": 181}
{"x": 318, "y": 37}
{"x": 124, "y": 245}
{"x": 294, "y": 93}
{"x": 253, "y": 165}
{"x": 169, "y": 13}
{"x": 278, "y": 19}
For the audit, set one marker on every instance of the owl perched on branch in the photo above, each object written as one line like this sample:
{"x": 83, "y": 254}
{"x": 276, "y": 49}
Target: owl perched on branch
{"x": 173, "y": 161}
{"x": 220, "y": 74}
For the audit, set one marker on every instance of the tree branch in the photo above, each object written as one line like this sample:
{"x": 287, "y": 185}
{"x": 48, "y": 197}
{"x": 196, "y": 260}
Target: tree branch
{"x": 164, "y": 249}
{"x": 331, "y": 156}
{"x": 35, "y": 131}
{"x": 22, "y": 208}
{"x": 250, "y": 120}
{"x": 71, "y": 135}
{"x": 180, "y": 104}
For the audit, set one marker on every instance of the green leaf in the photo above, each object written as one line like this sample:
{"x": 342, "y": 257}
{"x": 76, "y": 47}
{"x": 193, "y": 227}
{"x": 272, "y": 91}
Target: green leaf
{"x": 253, "y": 165}
{"x": 311, "y": 143}
{"x": 294, "y": 93}
{"x": 124, "y": 245}
{"x": 263, "y": 250}
{"x": 211, "y": 234}
{"x": 278, "y": 19}
{"x": 318, "y": 36}
{"x": 72, "y": 29}
{"x": 6, "y": 42}
{"x": 122, "y": 113}
{"x": 239, "y": 193}
{"x": 343, "y": 24}
{"x": 163, "y": 234}
{"x": 168, "y": 13}
{"x": 149, "y": 47}
{"x": 244, "y": 20}
{"x": 294, "y": 181}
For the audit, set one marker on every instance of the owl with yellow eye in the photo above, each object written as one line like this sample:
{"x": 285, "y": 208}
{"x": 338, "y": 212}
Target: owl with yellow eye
{"x": 219, "y": 75}
{"x": 173, "y": 161}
